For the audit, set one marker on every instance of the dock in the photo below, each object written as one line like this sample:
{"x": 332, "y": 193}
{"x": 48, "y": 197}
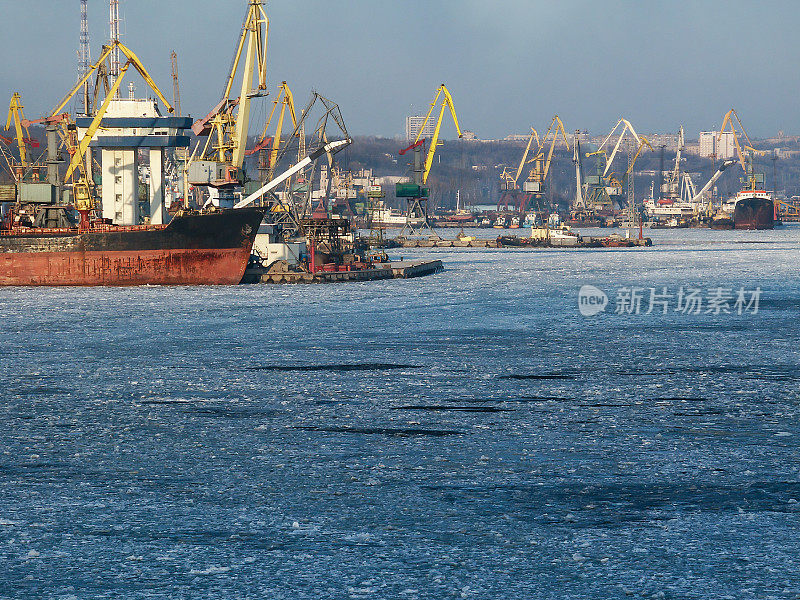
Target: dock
{"x": 381, "y": 271}
{"x": 518, "y": 242}
{"x": 431, "y": 243}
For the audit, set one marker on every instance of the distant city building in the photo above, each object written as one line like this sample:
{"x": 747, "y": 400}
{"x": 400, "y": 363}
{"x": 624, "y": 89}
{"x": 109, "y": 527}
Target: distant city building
{"x": 707, "y": 143}
{"x": 517, "y": 137}
{"x": 413, "y": 125}
{"x": 668, "y": 140}
{"x": 469, "y": 135}
{"x": 713, "y": 144}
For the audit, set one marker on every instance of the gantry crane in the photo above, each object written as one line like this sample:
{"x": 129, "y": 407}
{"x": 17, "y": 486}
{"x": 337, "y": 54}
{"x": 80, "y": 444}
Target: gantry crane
{"x": 22, "y": 139}
{"x": 227, "y": 124}
{"x": 447, "y": 102}
{"x": 534, "y": 186}
{"x": 728, "y": 122}
{"x": 671, "y": 185}
{"x": 626, "y": 127}
{"x": 415, "y": 191}
{"x": 603, "y": 190}
{"x": 289, "y": 218}
{"x": 509, "y": 188}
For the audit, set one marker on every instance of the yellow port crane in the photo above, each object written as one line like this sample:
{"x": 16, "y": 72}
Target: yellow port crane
{"x": 728, "y": 122}
{"x": 538, "y": 175}
{"x": 626, "y": 127}
{"x": 133, "y": 61}
{"x": 415, "y": 192}
{"x": 285, "y": 99}
{"x": 16, "y": 117}
{"x": 226, "y": 131}
{"x": 507, "y": 179}
{"x": 100, "y": 66}
{"x": 82, "y": 186}
{"x": 534, "y": 183}
{"x": 447, "y": 102}
{"x": 601, "y": 189}
{"x": 744, "y": 153}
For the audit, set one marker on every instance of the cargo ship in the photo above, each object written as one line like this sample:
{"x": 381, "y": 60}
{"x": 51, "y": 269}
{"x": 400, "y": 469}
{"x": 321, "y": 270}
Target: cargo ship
{"x": 749, "y": 209}
{"x": 752, "y": 207}
{"x": 210, "y": 248}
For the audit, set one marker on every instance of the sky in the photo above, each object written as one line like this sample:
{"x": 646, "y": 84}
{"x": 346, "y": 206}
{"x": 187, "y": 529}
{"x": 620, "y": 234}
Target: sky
{"x": 509, "y": 64}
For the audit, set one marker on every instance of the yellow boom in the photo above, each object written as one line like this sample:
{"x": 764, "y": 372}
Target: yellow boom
{"x": 16, "y": 116}
{"x": 727, "y": 121}
{"x": 286, "y": 100}
{"x": 559, "y": 127}
{"x": 77, "y": 157}
{"x": 132, "y": 59}
{"x": 447, "y": 101}
{"x": 534, "y": 135}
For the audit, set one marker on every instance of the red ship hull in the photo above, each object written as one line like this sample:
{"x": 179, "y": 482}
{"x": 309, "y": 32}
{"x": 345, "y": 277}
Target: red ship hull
{"x": 209, "y": 249}
{"x": 754, "y": 213}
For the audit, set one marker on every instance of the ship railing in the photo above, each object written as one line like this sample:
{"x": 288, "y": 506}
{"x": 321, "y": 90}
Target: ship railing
{"x": 76, "y": 230}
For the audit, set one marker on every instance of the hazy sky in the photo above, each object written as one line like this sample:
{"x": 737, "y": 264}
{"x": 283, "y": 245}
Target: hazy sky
{"x": 509, "y": 64}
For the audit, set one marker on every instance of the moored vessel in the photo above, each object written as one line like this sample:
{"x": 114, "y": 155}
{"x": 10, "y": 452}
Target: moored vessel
{"x": 193, "y": 249}
{"x": 749, "y": 209}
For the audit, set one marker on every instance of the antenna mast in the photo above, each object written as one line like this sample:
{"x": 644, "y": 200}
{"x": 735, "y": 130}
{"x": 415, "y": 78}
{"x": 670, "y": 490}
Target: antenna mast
{"x": 84, "y": 50}
{"x": 84, "y": 53}
{"x": 114, "y": 33}
{"x": 176, "y": 90}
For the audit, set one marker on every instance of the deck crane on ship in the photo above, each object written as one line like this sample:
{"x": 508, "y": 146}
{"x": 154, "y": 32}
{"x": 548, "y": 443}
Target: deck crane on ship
{"x": 112, "y": 131}
{"x": 63, "y": 131}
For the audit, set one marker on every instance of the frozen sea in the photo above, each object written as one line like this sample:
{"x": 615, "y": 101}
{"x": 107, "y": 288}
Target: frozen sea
{"x": 464, "y": 435}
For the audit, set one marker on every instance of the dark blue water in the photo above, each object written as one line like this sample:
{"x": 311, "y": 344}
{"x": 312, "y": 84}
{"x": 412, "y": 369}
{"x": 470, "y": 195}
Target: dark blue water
{"x": 465, "y": 435}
